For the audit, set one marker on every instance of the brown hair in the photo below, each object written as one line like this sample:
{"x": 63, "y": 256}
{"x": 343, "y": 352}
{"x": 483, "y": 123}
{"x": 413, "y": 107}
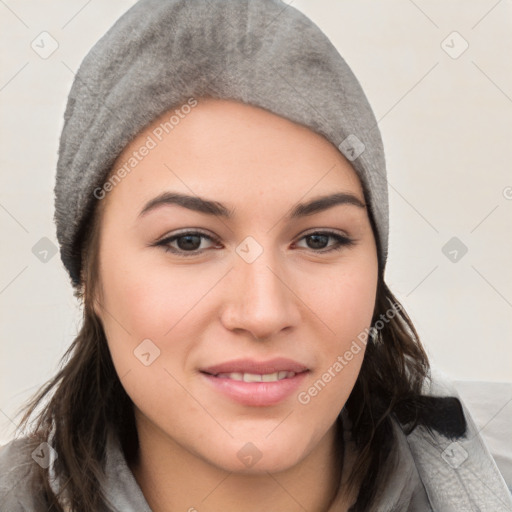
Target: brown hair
{"x": 88, "y": 399}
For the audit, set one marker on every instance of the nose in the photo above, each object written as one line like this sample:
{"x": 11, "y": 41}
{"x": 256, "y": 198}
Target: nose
{"x": 260, "y": 299}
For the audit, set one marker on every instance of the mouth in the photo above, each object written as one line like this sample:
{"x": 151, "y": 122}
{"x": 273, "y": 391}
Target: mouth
{"x": 256, "y": 384}
{"x": 278, "y": 365}
{"x": 255, "y": 377}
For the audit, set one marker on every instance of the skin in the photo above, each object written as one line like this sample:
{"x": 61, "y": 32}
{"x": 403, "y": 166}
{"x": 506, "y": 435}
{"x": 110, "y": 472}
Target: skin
{"x": 294, "y": 301}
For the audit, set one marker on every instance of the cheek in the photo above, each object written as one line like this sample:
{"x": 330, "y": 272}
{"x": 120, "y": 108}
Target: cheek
{"x": 146, "y": 310}
{"x": 346, "y": 306}
{"x": 347, "y": 300}
{"x": 148, "y": 302}
{"x": 354, "y": 302}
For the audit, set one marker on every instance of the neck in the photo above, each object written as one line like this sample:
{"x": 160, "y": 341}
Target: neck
{"x": 172, "y": 479}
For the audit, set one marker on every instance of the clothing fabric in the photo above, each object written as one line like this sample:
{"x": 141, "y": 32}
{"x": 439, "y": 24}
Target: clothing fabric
{"x": 429, "y": 473}
{"x": 490, "y": 404}
{"x": 165, "y": 53}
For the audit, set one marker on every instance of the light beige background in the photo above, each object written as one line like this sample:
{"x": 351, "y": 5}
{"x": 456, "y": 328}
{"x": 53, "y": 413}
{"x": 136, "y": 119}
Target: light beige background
{"x": 447, "y": 129}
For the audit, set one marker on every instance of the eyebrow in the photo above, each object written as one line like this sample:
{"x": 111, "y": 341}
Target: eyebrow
{"x": 201, "y": 205}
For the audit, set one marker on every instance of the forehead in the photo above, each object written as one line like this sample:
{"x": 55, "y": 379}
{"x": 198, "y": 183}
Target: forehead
{"x": 231, "y": 150}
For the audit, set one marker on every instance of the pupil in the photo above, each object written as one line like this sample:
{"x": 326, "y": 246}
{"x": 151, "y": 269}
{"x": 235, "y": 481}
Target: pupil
{"x": 323, "y": 238}
{"x": 188, "y": 244}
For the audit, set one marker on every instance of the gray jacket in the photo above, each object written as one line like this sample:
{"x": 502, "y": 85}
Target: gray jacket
{"x": 433, "y": 474}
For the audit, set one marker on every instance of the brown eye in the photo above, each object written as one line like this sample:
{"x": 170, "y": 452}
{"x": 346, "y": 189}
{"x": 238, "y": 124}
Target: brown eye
{"x": 186, "y": 242}
{"x": 319, "y": 240}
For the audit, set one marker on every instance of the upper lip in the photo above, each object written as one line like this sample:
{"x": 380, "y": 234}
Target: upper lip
{"x": 277, "y": 364}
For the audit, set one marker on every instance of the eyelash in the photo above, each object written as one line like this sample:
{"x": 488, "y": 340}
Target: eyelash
{"x": 342, "y": 241}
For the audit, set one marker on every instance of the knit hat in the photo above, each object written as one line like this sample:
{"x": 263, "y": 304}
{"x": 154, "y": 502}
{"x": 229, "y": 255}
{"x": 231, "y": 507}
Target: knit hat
{"x": 161, "y": 53}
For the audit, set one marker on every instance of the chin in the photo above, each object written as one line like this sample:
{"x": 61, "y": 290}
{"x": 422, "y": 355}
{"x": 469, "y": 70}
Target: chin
{"x": 259, "y": 457}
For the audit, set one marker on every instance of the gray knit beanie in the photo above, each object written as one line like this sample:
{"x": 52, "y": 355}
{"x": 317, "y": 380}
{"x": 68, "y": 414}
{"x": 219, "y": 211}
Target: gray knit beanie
{"x": 161, "y": 53}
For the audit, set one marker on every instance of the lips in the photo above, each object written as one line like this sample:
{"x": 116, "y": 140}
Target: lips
{"x": 256, "y": 377}
{"x": 256, "y": 383}
{"x": 251, "y": 366}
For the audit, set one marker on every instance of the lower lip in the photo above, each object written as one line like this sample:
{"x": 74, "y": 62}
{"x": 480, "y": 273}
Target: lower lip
{"x": 257, "y": 394}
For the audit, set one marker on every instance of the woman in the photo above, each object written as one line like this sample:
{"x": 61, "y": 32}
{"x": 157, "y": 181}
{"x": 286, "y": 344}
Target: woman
{"x": 221, "y": 207}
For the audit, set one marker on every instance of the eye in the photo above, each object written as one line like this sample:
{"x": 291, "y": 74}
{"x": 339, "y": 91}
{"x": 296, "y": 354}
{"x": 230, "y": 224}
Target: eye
{"x": 319, "y": 239}
{"x": 188, "y": 243}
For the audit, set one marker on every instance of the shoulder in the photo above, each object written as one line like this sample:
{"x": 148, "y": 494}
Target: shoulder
{"x": 489, "y": 404}
{"x": 458, "y": 472}
{"x": 19, "y": 490}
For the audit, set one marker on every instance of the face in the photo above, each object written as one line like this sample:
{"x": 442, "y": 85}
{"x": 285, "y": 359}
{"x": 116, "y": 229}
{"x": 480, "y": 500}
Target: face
{"x": 198, "y": 302}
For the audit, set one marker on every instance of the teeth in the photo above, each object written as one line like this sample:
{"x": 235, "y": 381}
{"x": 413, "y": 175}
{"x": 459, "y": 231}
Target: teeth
{"x": 255, "y": 377}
